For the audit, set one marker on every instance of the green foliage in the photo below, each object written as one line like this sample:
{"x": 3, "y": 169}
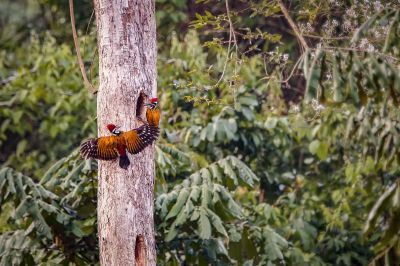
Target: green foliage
{"x": 370, "y": 83}
{"x": 204, "y": 197}
{"x": 245, "y": 174}
{"x": 47, "y": 226}
{"x": 44, "y": 102}
{"x": 355, "y": 78}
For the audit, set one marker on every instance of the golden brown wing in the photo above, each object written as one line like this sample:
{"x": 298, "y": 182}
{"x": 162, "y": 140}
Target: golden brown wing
{"x": 153, "y": 116}
{"x": 103, "y": 148}
{"x": 139, "y": 138}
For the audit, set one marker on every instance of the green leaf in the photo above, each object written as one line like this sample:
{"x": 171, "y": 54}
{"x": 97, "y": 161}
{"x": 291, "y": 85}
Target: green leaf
{"x": 211, "y": 130}
{"x": 47, "y": 207}
{"x": 228, "y": 171}
{"x": 314, "y": 76}
{"x": 338, "y": 79}
{"x": 364, "y": 27}
{"x": 314, "y": 145}
{"x": 396, "y": 199}
{"x": 274, "y": 244}
{"x": 216, "y": 222}
{"x": 172, "y": 233}
{"x": 245, "y": 173}
{"x": 181, "y": 200}
{"x": 216, "y": 173}
{"x": 51, "y": 171}
{"x": 77, "y": 229}
{"x": 23, "y": 208}
{"x": 247, "y": 113}
{"x": 271, "y": 123}
{"x": 205, "y": 195}
{"x": 20, "y": 186}
{"x": 73, "y": 174}
{"x": 204, "y": 225}
{"x": 11, "y": 185}
{"x": 248, "y": 100}
{"x": 319, "y": 148}
{"x": 21, "y": 147}
{"x": 3, "y": 176}
{"x": 185, "y": 213}
{"x": 392, "y": 36}
{"x": 41, "y": 226}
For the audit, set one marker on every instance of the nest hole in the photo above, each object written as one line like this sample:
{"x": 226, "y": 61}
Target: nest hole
{"x": 140, "y": 108}
{"x": 140, "y": 251}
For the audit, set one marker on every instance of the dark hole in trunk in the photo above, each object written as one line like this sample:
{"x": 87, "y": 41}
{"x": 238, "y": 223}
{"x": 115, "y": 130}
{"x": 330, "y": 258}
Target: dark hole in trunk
{"x": 140, "y": 108}
{"x": 140, "y": 251}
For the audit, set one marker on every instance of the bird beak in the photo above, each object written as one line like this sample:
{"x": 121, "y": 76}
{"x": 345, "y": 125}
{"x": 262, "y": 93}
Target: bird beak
{"x": 146, "y": 104}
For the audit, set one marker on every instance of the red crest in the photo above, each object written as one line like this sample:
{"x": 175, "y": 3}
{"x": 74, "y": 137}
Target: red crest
{"x": 111, "y": 127}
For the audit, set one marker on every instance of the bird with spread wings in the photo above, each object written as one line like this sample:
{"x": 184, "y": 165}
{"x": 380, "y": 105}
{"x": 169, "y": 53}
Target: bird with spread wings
{"x": 132, "y": 141}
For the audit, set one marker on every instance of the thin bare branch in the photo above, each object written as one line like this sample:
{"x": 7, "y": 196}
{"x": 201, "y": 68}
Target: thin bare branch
{"x": 228, "y": 55}
{"x": 87, "y": 30}
{"x": 293, "y": 25}
{"x": 232, "y": 33}
{"x": 293, "y": 69}
{"x": 387, "y": 56}
{"x": 226, "y": 59}
{"x": 87, "y": 83}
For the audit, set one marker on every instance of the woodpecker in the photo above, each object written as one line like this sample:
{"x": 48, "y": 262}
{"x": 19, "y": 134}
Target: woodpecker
{"x": 153, "y": 112}
{"x": 133, "y": 141}
{"x": 123, "y": 158}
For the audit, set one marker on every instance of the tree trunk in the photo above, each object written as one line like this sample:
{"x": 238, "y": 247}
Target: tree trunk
{"x": 127, "y": 66}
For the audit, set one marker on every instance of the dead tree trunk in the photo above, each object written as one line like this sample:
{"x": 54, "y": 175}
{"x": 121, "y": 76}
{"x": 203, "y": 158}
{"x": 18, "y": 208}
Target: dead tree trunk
{"x": 127, "y": 58}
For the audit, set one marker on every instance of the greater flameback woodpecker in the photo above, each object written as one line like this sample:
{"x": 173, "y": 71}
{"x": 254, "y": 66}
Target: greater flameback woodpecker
{"x": 133, "y": 141}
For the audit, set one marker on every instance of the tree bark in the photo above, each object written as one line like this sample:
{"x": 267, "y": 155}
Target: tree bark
{"x": 127, "y": 67}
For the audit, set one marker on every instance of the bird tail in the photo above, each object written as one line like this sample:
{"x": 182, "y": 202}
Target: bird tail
{"x": 124, "y": 162}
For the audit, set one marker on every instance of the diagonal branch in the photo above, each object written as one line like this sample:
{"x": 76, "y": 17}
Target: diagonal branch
{"x": 293, "y": 25}
{"x": 87, "y": 83}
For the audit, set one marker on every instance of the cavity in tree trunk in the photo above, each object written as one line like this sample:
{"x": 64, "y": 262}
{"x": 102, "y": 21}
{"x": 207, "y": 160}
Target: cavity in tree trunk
{"x": 127, "y": 58}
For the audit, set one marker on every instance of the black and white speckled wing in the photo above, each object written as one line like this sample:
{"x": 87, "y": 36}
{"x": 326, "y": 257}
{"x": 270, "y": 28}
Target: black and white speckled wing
{"x": 138, "y": 139}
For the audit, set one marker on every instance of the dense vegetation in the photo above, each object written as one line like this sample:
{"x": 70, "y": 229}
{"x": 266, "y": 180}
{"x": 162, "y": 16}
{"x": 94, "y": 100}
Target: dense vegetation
{"x": 271, "y": 153}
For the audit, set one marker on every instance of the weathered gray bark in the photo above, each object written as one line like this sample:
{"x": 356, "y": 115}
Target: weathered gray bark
{"x": 127, "y": 58}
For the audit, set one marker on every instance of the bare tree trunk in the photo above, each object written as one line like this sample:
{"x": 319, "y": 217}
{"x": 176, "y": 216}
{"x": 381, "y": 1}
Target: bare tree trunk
{"x": 127, "y": 56}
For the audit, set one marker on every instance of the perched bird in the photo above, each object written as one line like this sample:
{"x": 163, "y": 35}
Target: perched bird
{"x": 153, "y": 112}
{"x": 133, "y": 141}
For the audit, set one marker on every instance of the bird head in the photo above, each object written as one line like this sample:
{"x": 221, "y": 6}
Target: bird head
{"x": 152, "y": 104}
{"x": 113, "y": 129}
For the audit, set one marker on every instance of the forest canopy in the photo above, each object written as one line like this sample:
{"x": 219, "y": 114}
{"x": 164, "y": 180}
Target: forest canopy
{"x": 280, "y": 141}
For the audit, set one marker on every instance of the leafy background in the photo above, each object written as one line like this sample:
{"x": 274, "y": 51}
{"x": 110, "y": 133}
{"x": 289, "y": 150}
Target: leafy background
{"x": 270, "y": 154}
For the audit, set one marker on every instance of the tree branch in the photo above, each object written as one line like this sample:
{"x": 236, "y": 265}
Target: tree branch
{"x": 87, "y": 83}
{"x": 293, "y": 25}
{"x": 232, "y": 34}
